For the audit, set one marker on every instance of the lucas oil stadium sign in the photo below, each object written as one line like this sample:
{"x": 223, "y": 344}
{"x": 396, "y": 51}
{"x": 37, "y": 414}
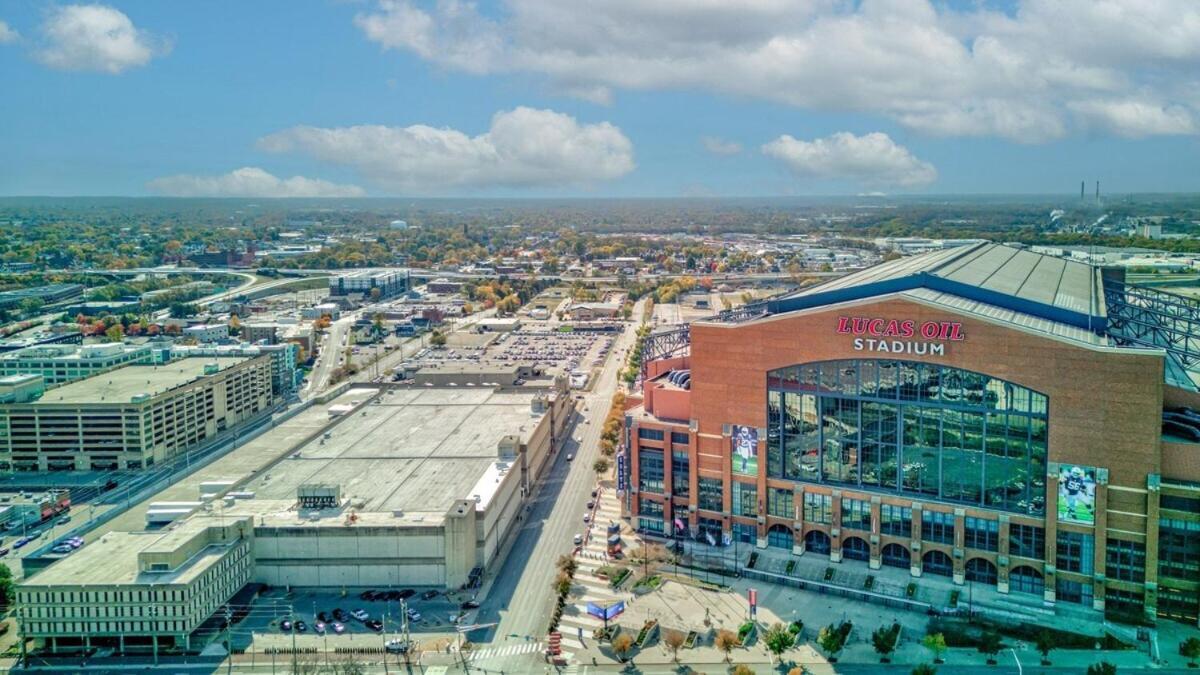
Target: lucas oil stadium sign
{"x": 900, "y": 336}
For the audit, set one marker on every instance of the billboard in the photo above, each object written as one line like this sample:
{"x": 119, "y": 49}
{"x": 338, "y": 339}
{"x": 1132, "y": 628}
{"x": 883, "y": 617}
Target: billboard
{"x": 1077, "y": 494}
{"x": 745, "y": 450}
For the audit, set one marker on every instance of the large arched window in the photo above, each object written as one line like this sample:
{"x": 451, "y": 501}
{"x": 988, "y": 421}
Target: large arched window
{"x": 909, "y": 427}
{"x": 895, "y": 555}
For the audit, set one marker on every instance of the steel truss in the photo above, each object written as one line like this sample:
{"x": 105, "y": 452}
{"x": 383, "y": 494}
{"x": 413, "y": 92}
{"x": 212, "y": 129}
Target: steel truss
{"x": 1149, "y": 317}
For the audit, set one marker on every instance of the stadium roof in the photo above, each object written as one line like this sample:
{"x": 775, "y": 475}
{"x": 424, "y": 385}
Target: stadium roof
{"x": 1005, "y": 277}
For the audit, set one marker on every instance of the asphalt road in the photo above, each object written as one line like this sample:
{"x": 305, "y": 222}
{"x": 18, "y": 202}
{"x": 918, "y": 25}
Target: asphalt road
{"x": 520, "y": 599}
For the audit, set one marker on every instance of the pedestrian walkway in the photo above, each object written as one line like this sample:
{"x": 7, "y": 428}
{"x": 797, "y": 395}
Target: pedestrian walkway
{"x": 577, "y": 626}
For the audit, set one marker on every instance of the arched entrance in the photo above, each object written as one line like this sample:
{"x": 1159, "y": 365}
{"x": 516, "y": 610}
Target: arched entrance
{"x": 856, "y": 548}
{"x": 816, "y": 541}
{"x": 1025, "y": 579}
{"x": 780, "y": 536}
{"x": 981, "y": 570}
{"x": 895, "y": 555}
{"x": 936, "y": 562}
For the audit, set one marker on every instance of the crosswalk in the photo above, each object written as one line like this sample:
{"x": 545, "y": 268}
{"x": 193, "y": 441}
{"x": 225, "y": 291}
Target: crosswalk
{"x": 501, "y": 651}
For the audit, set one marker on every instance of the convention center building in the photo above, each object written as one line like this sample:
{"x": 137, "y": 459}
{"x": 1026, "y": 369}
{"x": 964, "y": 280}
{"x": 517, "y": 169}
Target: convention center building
{"x": 1018, "y": 423}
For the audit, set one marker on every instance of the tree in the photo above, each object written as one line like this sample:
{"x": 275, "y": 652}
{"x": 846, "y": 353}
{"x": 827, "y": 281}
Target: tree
{"x": 989, "y": 644}
{"x": 562, "y": 584}
{"x": 115, "y": 333}
{"x": 6, "y": 585}
{"x": 601, "y": 465}
{"x": 936, "y": 644}
{"x": 726, "y": 640}
{"x": 1190, "y": 648}
{"x": 1102, "y": 668}
{"x": 884, "y": 641}
{"x": 1045, "y": 643}
{"x": 622, "y": 644}
{"x": 924, "y": 669}
{"x": 376, "y": 293}
{"x": 778, "y": 639}
{"x": 674, "y": 640}
{"x": 235, "y": 325}
{"x": 566, "y": 564}
{"x": 742, "y": 669}
{"x": 832, "y": 640}
{"x": 437, "y": 339}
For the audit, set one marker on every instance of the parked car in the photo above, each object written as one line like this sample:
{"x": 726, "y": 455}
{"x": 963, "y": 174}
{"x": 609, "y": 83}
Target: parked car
{"x": 469, "y": 604}
{"x": 406, "y": 594}
{"x": 338, "y": 628}
{"x": 396, "y": 646}
{"x": 366, "y": 595}
{"x": 374, "y": 624}
{"x": 322, "y": 617}
{"x": 3, "y": 552}
{"x": 285, "y": 625}
{"x": 360, "y": 615}
{"x": 339, "y": 615}
{"x": 579, "y": 540}
{"x": 301, "y": 626}
{"x": 595, "y": 493}
{"x": 21, "y": 542}
{"x": 413, "y": 615}
{"x": 587, "y": 517}
{"x": 64, "y": 520}
{"x": 393, "y": 595}
{"x": 591, "y": 505}
{"x": 570, "y": 456}
{"x": 429, "y": 595}
{"x": 319, "y": 627}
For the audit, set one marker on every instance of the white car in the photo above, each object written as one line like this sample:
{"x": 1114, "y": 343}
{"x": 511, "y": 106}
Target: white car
{"x": 587, "y": 517}
{"x": 570, "y": 457}
{"x": 360, "y": 615}
{"x": 579, "y": 540}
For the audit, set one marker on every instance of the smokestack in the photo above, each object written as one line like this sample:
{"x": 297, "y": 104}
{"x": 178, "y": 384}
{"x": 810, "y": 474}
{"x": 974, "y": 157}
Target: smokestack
{"x": 1082, "y": 187}
{"x": 1097, "y": 192}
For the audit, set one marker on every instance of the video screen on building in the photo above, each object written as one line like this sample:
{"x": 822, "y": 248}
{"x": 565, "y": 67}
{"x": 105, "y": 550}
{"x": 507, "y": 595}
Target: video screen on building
{"x": 745, "y": 450}
{"x": 1077, "y": 494}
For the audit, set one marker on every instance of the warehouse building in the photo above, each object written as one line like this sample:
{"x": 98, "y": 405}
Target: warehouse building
{"x": 46, "y": 294}
{"x": 412, "y": 487}
{"x": 987, "y": 414}
{"x": 134, "y": 416}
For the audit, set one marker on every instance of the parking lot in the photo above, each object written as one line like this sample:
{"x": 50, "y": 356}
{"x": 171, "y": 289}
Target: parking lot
{"x": 433, "y": 624}
{"x": 552, "y": 348}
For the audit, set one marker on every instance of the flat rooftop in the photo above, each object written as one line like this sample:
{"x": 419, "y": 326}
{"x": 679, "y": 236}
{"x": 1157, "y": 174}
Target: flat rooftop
{"x": 122, "y": 384}
{"x": 417, "y": 450}
{"x": 113, "y": 558}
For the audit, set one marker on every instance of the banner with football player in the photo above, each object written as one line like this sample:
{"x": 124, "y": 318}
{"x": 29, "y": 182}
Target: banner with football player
{"x": 1077, "y": 494}
{"x": 745, "y": 450}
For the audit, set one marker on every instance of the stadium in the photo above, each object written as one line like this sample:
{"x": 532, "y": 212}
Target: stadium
{"x": 981, "y": 416}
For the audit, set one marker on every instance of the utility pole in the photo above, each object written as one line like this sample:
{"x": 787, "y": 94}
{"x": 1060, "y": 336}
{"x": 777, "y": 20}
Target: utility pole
{"x": 292, "y": 617}
{"x": 229, "y": 638}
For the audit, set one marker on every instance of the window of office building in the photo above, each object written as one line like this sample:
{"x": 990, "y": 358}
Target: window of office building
{"x": 856, "y": 514}
{"x": 818, "y": 508}
{"x": 745, "y": 533}
{"x": 710, "y": 494}
{"x": 679, "y": 437}
{"x": 650, "y": 516}
{"x": 895, "y": 520}
{"x": 909, "y": 427}
{"x": 981, "y": 534}
{"x": 650, "y": 434}
{"x": 1180, "y": 503}
{"x": 745, "y": 499}
{"x": 650, "y": 470}
{"x": 1074, "y": 552}
{"x": 1128, "y": 603}
{"x": 937, "y": 527}
{"x": 1178, "y": 548}
{"x": 680, "y": 474}
{"x": 779, "y": 503}
{"x": 1125, "y": 560}
{"x": 1077, "y": 592}
{"x": 1027, "y": 541}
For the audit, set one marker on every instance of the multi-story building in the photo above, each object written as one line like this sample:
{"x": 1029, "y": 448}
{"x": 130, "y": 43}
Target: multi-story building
{"x": 135, "y": 416}
{"x": 285, "y": 377}
{"x": 207, "y": 332}
{"x": 139, "y": 591}
{"x": 389, "y": 282}
{"x": 1001, "y": 418}
{"x": 46, "y": 338}
{"x": 47, "y": 294}
{"x": 62, "y": 363}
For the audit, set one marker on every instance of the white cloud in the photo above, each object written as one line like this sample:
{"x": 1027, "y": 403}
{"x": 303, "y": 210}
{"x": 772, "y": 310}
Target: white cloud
{"x": 8, "y": 33}
{"x": 871, "y": 159}
{"x": 1020, "y": 75}
{"x": 720, "y": 146}
{"x": 250, "y": 181}
{"x": 96, "y": 38}
{"x": 523, "y": 148}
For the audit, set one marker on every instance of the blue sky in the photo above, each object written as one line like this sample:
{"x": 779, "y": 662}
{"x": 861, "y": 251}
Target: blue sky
{"x": 614, "y": 98}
